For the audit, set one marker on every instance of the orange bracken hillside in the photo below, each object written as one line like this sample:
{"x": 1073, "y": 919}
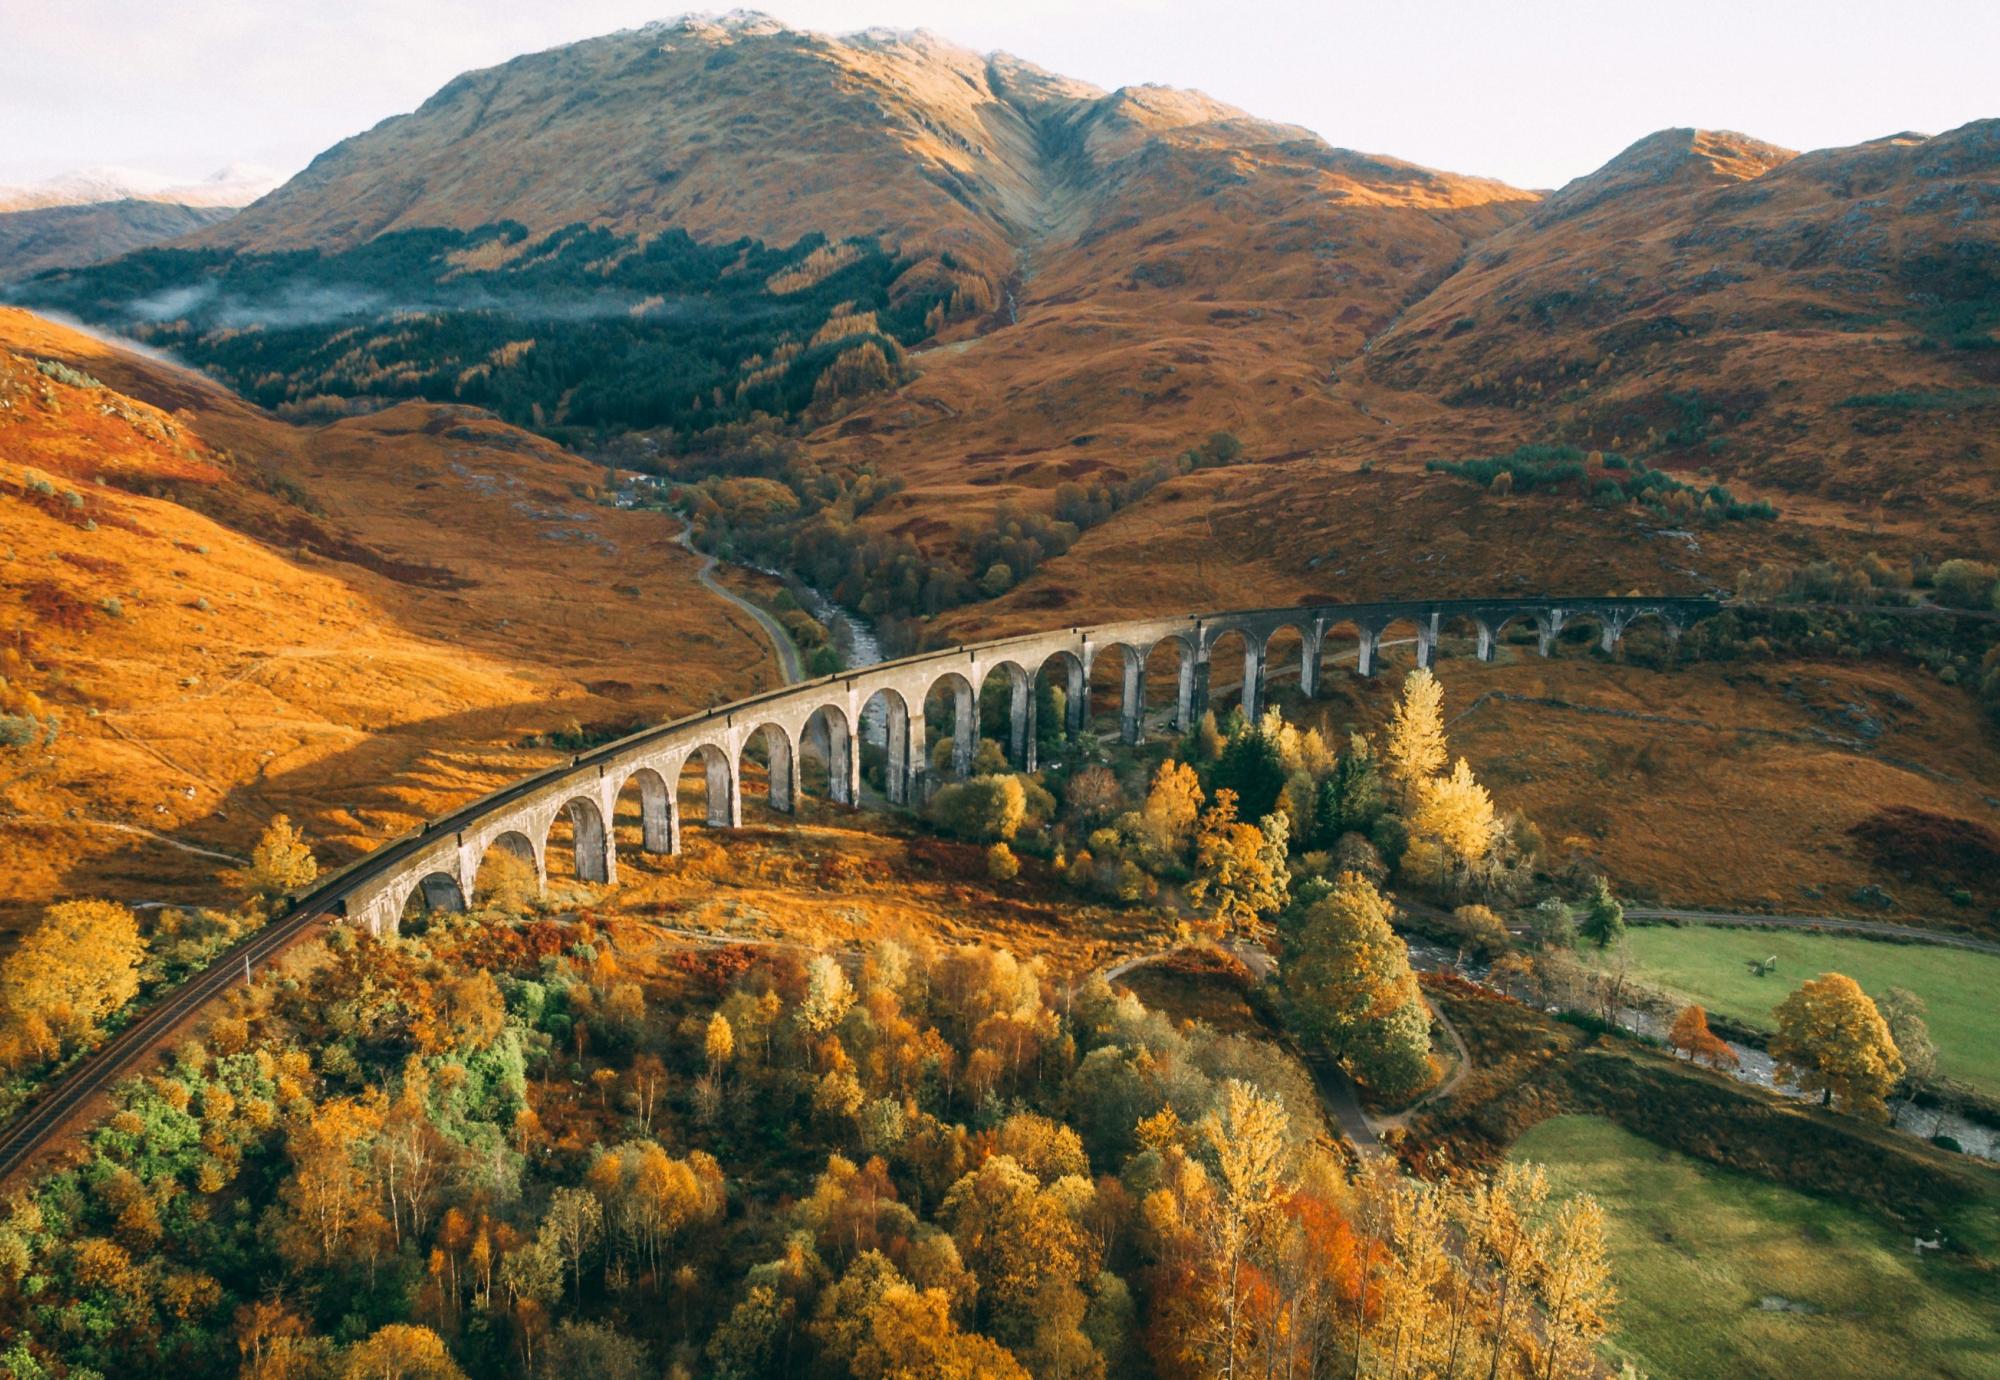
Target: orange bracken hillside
{"x": 1132, "y": 271}
{"x": 231, "y": 618}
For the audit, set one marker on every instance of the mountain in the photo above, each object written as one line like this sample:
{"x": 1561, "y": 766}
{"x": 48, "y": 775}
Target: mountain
{"x": 1825, "y": 321}
{"x": 232, "y": 187}
{"x": 47, "y": 237}
{"x": 891, "y": 189}
{"x": 95, "y": 214}
{"x": 1047, "y": 344}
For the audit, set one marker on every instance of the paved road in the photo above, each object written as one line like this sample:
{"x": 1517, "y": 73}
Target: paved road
{"x": 791, "y": 665}
{"x": 1881, "y": 928}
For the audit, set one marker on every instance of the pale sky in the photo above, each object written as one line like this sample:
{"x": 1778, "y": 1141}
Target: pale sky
{"x": 1531, "y": 91}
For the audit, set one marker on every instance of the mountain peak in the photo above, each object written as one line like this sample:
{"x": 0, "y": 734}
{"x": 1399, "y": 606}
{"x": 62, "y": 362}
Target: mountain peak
{"x": 730, "y": 24}
{"x": 239, "y": 184}
{"x": 1684, "y": 159}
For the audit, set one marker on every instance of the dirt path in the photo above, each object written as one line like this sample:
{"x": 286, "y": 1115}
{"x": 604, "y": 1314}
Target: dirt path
{"x": 135, "y": 829}
{"x": 1399, "y": 1121}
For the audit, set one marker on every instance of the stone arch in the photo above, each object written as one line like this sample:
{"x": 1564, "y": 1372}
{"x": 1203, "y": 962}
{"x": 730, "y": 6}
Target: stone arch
{"x": 1118, "y": 688}
{"x": 654, "y": 823}
{"x": 1650, "y": 624}
{"x": 1583, "y": 628}
{"x": 590, "y": 851}
{"x": 1500, "y": 622}
{"x": 1170, "y": 679}
{"x": 901, "y": 742}
{"x": 1068, "y": 671}
{"x": 1284, "y": 655}
{"x": 1231, "y": 671}
{"x": 722, "y": 796}
{"x": 430, "y": 894}
{"x": 958, "y": 723}
{"x": 1459, "y": 627}
{"x": 780, "y": 764}
{"x": 1401, "y": 641}
{"x": 1007, "y": 701}
{"x": 513, "y": 850}
{"x": 1340, "y": 641}
{"x": 827, "y": 742}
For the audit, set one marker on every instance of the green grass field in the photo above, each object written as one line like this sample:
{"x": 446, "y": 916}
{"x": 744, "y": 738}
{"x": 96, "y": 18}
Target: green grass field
{"x": 1721, "y": 1274}
{"x": 1709, "y": 964}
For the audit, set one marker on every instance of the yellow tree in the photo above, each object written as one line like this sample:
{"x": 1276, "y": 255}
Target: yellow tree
{"x": 1240, "y": 870}
{"x": 1024, "y": 1241}
{"x": 1172, "y": 807}
{"x": 1456, "y": 814}
{"x": 1247, "y": 1136}
{"x": 1414, "y": 750}
{"x": 911, "y": 1335}
{"x": 282, "y": 862}
{"x": 1832, "y": 1041}
{"x": 399, "y": 1351}
{"x": 1576, "y": 1291}
{"x": 718, "y": 1042}
{"x": 327, "y": 1192}
{"x": 78, "y": 965}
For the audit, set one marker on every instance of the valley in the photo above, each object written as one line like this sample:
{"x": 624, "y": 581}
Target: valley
{"x": 747, "y": 703}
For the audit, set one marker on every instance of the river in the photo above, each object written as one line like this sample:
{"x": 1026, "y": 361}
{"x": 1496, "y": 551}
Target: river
{"x": 1754, "y": 1066}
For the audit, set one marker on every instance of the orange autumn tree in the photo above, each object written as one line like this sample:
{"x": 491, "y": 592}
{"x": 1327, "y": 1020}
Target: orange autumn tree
{"x": 1241, "y": 875}
{"x": 1691, "y": 1037}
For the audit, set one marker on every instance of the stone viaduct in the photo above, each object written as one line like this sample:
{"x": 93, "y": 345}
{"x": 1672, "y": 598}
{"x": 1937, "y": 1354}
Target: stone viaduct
{"x": 826, "y": 715}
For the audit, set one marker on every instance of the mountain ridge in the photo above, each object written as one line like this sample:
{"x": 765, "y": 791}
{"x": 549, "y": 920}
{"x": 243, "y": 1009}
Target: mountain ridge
{"x": 986, "y": 281}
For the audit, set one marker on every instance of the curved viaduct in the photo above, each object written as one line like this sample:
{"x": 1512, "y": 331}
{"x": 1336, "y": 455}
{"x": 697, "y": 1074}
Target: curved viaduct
{"x": 443, "y": 858}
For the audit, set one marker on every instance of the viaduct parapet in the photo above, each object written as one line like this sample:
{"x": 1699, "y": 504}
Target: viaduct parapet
{"x": 825, "y": 717}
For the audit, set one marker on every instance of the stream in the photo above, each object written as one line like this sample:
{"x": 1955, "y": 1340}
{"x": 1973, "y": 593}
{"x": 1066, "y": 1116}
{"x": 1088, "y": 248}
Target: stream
{"x": 1975, "y": 1138}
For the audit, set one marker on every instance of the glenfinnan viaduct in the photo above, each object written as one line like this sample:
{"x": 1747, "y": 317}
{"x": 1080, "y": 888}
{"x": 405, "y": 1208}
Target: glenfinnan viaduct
{"x": 444, "y": 857}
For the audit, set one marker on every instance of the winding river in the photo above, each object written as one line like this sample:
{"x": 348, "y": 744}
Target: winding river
{"x": 1754, "y": 1066}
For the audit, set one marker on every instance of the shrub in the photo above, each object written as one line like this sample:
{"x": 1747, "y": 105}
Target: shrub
{"x": 1479, "y": 931}
{"x": 984, "y": 808}
{"x": 1001, "y": 864}
{"x": 62, "y": 373}
{"x": 1965, "y": 584}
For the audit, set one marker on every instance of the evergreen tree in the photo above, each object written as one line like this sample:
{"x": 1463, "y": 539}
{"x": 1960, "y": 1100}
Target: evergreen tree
{"x": 1603, "y": 918}
{"x": 1350, "y": 799}
{"x": 1253, "y": 768}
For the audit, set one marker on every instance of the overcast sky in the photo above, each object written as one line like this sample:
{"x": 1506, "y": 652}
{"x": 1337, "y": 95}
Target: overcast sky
{"x": 1531, "y": 91}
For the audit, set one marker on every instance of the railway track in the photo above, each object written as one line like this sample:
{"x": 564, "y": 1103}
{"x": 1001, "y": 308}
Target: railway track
{"x": 45, "y": 1117}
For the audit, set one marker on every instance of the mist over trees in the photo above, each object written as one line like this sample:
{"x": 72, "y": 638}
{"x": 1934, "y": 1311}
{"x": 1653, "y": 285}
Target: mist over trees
{"x": 578, "y": 332}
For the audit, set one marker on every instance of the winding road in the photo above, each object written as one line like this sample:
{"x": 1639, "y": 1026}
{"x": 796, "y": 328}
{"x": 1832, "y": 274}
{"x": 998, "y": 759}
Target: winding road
{"x": 791, "y": 665}
{"x": 1880, "y": 929}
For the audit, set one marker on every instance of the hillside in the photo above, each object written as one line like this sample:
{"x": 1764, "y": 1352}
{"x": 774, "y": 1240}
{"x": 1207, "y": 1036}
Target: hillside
{"x": 223, "y": 617}
{"x": 40, "y": 238}
{"x": 1824, "y": 323}
{"x": 983, "y": 319}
